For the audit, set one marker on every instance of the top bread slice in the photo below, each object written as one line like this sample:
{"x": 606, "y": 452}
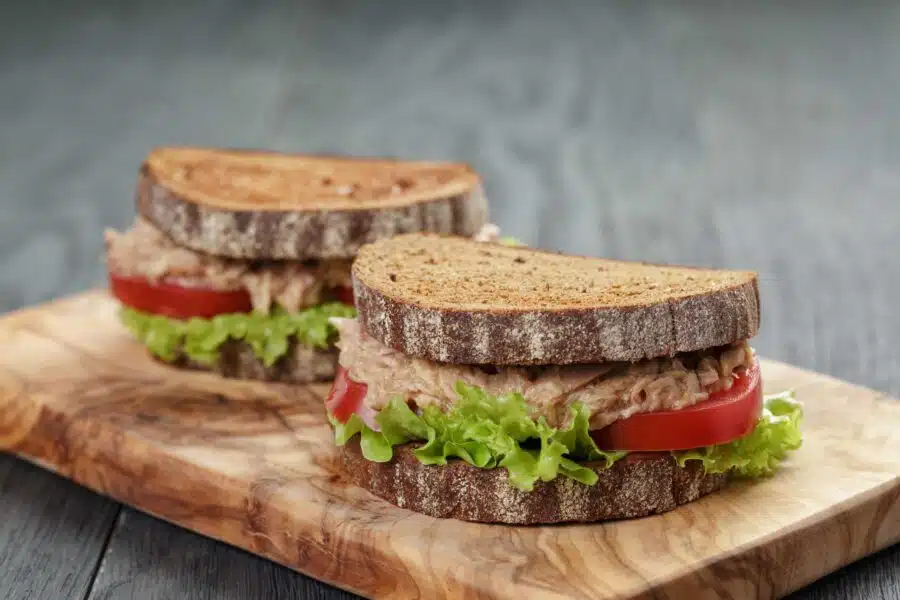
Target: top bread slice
{"x": 270, "y": 206}
{"x": 453, "y": 300}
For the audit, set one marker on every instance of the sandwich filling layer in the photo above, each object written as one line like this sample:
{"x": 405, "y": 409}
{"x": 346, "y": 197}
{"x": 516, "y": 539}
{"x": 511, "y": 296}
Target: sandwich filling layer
{"x": 144, "y": 251}
{"x": 609, "y": 392}
{"x": 269, "y": 305}
{"x": 542, "y": 423}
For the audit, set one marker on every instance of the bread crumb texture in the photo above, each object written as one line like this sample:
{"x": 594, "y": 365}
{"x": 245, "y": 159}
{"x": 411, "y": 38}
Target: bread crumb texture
{"x": 264, "y": 180}
{"x": 454, "y": 273}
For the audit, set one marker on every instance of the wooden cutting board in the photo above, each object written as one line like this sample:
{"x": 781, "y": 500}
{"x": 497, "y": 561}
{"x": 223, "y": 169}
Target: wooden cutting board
{"x": 252, "y": 465}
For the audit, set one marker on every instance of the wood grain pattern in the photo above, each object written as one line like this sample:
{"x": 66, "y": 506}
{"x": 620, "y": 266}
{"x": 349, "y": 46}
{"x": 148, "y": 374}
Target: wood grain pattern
{"x": 250, "y": 464}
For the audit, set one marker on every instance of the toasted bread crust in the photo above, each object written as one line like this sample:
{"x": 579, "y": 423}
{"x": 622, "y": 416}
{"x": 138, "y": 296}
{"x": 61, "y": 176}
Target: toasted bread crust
{"x": 516, "y": 335}
{"x": 635, "y": 486}
{"x": 299, "y": 231}
{"x": 237, "y": 360}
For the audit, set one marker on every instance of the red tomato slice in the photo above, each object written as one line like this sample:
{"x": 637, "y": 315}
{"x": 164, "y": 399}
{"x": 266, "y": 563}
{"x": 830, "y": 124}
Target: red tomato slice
{"x": 724, "y": 417}
{"x": 177, "y": 301}
{"x": 346, "y": 398}
{"x": 344, "y": 294}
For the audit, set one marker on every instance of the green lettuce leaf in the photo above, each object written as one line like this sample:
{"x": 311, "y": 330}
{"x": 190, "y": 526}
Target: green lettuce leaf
{"x": 500, "y": 431}
{"x": 759, "y": 453}
{"x": 485, "y": 431}
{"x": 269, "y": 335}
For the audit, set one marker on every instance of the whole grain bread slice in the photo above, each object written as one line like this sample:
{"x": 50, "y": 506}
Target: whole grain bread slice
{"x": 301, "y": 364}
{"x": 635, "y": 486}
{"x": 269, "y": 205}
{"x": 452, "y": 300}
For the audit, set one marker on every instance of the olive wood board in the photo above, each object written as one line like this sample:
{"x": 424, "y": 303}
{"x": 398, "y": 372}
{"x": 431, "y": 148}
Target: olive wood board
{"x": 252, "y": 465}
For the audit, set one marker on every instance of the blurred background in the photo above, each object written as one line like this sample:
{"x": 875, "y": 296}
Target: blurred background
{"x": 761, "y": 135}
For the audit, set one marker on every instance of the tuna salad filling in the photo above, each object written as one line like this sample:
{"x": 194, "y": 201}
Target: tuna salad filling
{"x": 144, "y": 251}
{"x": 609, "y": 392}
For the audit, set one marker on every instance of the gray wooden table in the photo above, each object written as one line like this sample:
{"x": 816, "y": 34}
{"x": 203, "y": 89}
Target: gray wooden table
{"x": 763, "y": 135}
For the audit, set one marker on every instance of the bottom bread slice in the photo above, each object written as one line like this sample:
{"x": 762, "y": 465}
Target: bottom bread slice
{"x": 635, "y": 486}
{"x": 301, "y": 364}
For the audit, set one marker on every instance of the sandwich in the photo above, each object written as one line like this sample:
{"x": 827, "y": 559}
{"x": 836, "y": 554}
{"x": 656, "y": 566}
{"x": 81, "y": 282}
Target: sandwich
{"x": 510, "y": 385}
{"x": 238, "y": 259}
